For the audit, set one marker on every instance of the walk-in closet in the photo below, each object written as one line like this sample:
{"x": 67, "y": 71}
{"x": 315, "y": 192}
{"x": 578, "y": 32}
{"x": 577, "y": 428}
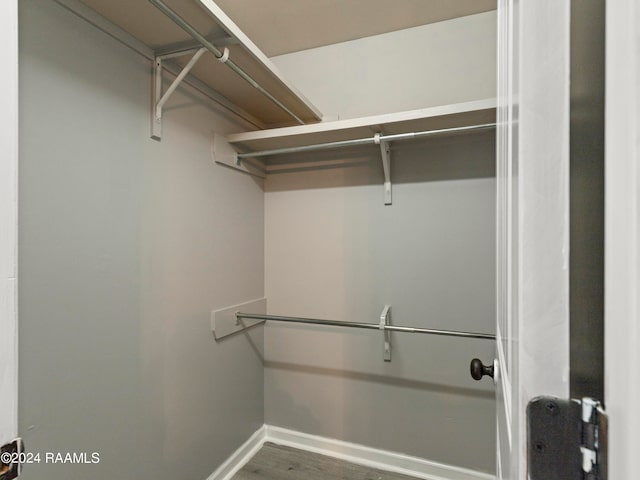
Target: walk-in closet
{"x": 258, "y": 224}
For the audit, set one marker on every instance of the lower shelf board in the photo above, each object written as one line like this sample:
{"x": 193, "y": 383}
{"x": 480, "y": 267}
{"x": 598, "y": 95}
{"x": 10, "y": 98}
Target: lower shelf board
{"x": 277, "y": 462}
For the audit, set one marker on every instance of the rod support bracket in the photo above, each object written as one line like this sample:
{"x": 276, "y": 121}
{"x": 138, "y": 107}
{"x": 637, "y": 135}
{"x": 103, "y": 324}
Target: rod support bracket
{"x": 385, "y": 319}
{"x": 159, "y": 99}
{"x": 385, "y": 152}
{"x": 223, "y": 153}
{"x": 225, "y": 55}
{"x": 156, "y": 116}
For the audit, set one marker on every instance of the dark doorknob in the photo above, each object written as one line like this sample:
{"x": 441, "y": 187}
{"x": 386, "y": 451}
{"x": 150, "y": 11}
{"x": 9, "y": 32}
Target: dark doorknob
{"x": 478, "y": 370}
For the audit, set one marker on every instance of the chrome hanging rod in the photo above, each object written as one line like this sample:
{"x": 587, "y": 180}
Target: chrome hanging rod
{"x": 370, "y": 326}
{"x": 182, "y": 23}
{"x": 364, "y": 141}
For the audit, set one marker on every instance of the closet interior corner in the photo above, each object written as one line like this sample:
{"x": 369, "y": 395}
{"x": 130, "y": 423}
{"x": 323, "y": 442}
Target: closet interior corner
{"x": 258, "y": 222}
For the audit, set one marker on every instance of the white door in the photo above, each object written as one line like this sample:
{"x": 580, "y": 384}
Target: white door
{"x": 622, "y": 236}
{"x": 8, "y": 221}
{"x": 532, "y": 217}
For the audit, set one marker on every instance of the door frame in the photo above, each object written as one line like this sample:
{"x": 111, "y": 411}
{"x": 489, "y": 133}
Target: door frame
{"x": 622, "y": 210}
{"x": 622, "y": 235}
{"x": 532, "y": 217}
{"x": 9, "y": 222}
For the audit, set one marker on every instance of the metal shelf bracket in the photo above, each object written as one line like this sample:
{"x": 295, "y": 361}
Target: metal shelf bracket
{"x": 385, "y": 152}
{"x": 385, "y": 320}
{"x": 159, "y": 98}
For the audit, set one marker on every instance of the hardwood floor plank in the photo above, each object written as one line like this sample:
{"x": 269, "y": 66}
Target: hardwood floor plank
{"x": 276, "y": 462}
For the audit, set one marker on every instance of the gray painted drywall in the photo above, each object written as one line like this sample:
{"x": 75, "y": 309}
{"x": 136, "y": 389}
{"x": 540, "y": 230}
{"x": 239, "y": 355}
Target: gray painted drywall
{"x": 126, "y": 245}
{"x": 436, "y": 64}
{"x": 333, "y": 250}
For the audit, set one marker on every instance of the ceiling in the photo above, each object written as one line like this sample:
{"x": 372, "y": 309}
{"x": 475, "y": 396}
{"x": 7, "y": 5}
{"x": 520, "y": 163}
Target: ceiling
{"x": 284, "y": 26}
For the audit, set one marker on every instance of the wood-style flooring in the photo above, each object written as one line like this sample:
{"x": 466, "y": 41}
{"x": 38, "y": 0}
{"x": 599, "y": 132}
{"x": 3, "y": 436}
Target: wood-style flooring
{"x": 275, "y": 462}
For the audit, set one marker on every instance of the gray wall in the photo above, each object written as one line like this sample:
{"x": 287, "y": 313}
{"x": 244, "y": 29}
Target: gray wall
{"x": 126, "y": 245}
{"x": 436, "y": 64}
{"x": 333, "y": 250}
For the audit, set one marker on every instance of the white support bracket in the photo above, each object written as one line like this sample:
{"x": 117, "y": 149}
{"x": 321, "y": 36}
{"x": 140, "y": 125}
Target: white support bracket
{"x": 223, "y": 152}
{"x": 225, "y": 322}
{"x": 385, "y": 152}
{"x": 159, "y": 98}
{"x": 385, "y": 319}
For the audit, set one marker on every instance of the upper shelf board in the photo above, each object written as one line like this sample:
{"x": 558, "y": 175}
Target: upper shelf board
{"x": 144, "y": 22}
{"x": 432, "y": 118}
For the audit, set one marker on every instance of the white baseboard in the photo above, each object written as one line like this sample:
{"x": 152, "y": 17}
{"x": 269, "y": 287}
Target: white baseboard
{"x": 240, "y": 457}
{"x": 371, "y": 457}
{"x": 351, "y": 452}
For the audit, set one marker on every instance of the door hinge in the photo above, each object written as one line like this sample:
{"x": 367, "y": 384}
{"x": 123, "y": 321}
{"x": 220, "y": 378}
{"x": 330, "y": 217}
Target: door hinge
{"x": 567, "y": 439}
{"x": 11, "y": 459}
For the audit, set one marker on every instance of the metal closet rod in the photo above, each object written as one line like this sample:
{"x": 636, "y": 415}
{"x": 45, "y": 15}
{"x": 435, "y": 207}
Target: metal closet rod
{"x": 370, "y": 326}
{"x": 363, "y": 141}
{"x": 182, "y": 23}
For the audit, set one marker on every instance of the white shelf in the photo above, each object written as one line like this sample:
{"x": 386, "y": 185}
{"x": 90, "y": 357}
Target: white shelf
{"x": 246, "y": 151}
{"x": 433, "y": 118}
{"x": 140, "y": 25}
